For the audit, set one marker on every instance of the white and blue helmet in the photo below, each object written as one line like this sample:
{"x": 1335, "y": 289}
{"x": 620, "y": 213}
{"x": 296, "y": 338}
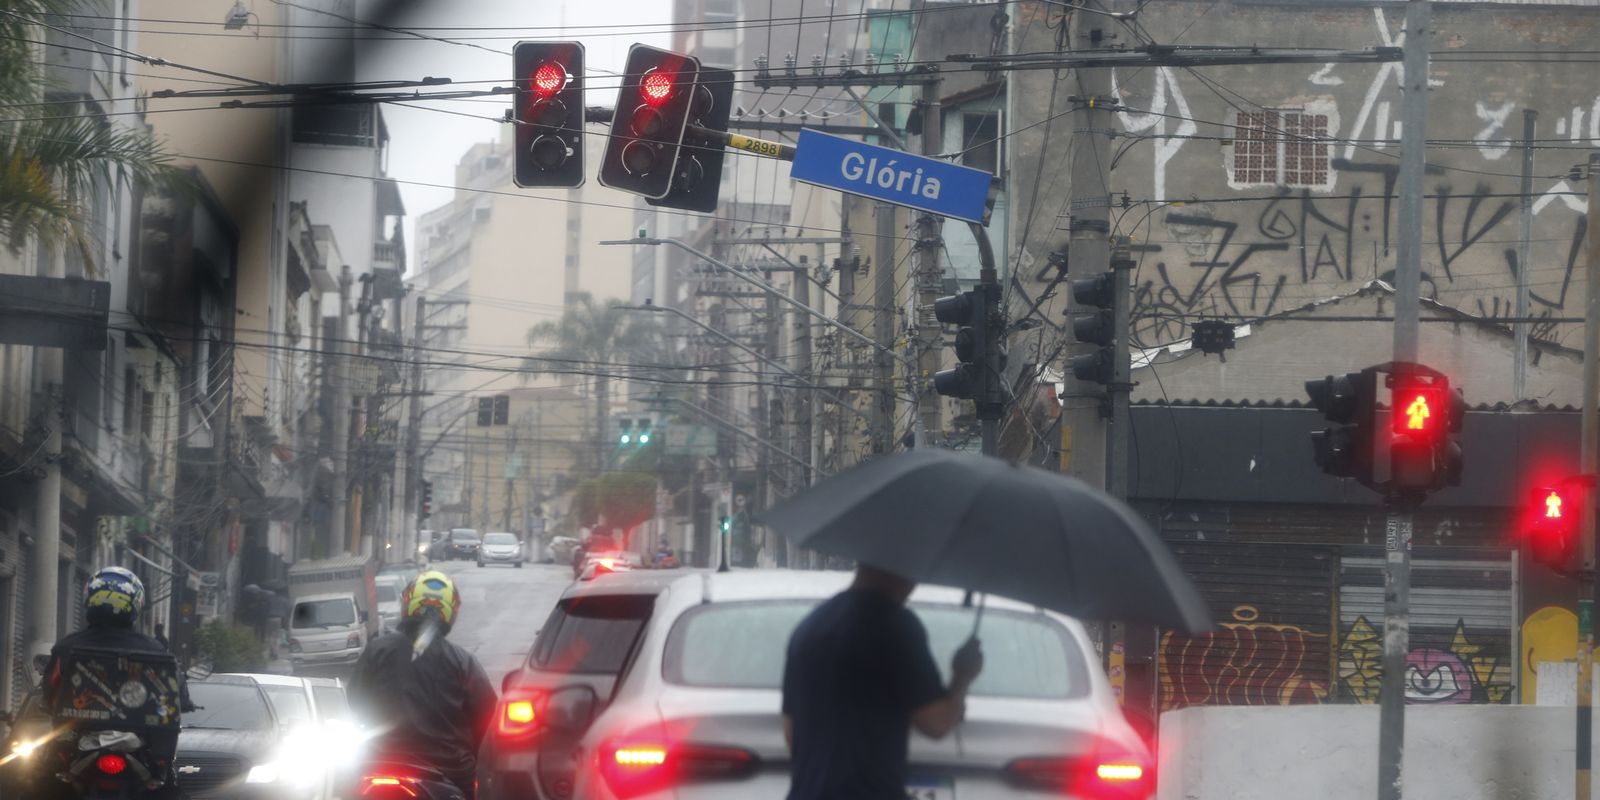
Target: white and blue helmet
{"x": 114, "y": 594}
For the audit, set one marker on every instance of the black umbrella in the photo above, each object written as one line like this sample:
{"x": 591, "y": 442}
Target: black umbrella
{"x": 990, "y": 526}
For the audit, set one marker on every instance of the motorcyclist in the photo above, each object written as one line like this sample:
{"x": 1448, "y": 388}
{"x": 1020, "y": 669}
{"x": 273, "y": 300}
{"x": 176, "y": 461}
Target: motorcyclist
{"x": 113, "y": 599}
{"x": 664, "y": 556}
{"x": 428, "y": 701}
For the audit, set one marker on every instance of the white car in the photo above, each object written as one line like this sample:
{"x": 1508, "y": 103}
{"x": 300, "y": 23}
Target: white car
{"x": 500, "y": 548}
{"x": 696, "y": 716}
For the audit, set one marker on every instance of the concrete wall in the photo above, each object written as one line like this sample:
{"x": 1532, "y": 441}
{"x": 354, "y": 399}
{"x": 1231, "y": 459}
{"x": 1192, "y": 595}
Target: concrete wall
{"x": 1241, "y": 248}
{"x": 1331, "y": 752}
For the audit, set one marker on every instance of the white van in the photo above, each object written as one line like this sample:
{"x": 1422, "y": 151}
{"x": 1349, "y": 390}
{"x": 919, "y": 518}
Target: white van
{"x": 326, "y": 630}
{"x": 390, "y": 586}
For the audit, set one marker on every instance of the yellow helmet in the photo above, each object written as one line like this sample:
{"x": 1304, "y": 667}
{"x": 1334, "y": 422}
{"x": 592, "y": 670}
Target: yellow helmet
{"x": 432, "y": 589}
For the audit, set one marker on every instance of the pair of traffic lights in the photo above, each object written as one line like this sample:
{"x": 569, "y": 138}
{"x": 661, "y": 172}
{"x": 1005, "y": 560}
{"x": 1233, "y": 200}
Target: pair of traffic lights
{"x": 1404, "y": 448}
{"x": 980, "y": 349}
{"x": 629, "y": 436}
{"x": 667, "y": 128}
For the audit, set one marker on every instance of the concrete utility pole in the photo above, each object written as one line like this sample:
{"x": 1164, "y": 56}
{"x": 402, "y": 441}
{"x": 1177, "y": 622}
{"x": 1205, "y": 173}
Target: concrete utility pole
{"x": 766, "y": 491}
{"x": 1083, "y": 419}
{"x": 1520, "y": 329}
{"x": 412, "y": 513}
{"x": 1408, "y": 275}
{"x": 43, "y": 564}
{"x": 930, "y": 283}
{"x": 1590, "y": 464}
{"x": 339, "y": 447}
{"x": 883, "y": 296}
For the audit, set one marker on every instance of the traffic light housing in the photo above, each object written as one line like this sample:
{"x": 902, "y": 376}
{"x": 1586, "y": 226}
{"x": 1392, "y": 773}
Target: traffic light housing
{"x": 426, "y": 509}
{"x": 1349, "y": 402}
{"x": 981, "y": 360}
{"x": 643, "y": 438}
{"x": 625, "y": 435}
{"x": 1096, "y": 327}
{"x": 725, "y": 524}
{"x": 652, "y": 112}
{"x": 485, "y": 412}
{"x": 697, "y": 178}
{"x": 548, "y": 113}
{"x": 502, "y": 409}
{"x": 1551, "y": 526}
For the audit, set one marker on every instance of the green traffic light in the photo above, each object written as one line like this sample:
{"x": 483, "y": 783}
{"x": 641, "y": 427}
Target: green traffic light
{"x": 624, "y": 439}
{"x": 644, "y": 438}
{"x": 727, "y": 524}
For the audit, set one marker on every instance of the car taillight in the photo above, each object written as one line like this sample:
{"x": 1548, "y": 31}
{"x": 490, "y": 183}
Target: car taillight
{"x": 518, "y": 717}
{"x": 353, "y": 641}
{"x": 1095, "y": 778}
{"x": 111, "y": 764}
{"x": 379, "y": 787}
{"x": 294, "y": 645}
{"x": 635, "y": 767}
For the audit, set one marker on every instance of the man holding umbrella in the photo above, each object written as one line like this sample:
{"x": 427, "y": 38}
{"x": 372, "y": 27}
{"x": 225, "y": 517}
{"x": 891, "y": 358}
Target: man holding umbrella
{"x": 858, "y": 675}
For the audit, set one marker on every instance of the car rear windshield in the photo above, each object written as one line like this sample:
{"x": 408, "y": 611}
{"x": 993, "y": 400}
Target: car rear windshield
{"x": 500, "y": 538}
{"x": 742, "y": 645}
{"x": 591, "y": 635}
{"x": 324, "y": 613}
{"x": 331, "y": 703}
{"x": 464, "y": 536}
{"x": 290, "y": 704}
{"x": 229, "y": 706}
{"x": 388, "y": 592}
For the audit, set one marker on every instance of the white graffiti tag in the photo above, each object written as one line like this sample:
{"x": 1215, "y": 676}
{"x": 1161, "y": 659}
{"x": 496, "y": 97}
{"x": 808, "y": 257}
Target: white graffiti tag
{"x": 1490, "y": 144}
{"x": 1156, "y": 119}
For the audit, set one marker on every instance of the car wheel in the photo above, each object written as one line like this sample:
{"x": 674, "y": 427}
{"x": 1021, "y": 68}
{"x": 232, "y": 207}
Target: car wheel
{"x": 519, "y": 565}
{"x": 480, "y": 565}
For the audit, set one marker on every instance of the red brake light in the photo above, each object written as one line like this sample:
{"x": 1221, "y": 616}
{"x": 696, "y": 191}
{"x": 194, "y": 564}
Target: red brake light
{"x": 380, "y": 786}
{"x": 111, "y": 764}
{"x": 656, "y": 87}
{"x": 633, "y": 768}
{"x": 518, "y": 717}
{"x": 1088, "y": 777}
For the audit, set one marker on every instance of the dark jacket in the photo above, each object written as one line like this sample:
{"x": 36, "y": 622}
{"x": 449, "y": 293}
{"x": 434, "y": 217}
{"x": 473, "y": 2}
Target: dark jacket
{"x": 435, "y": 709}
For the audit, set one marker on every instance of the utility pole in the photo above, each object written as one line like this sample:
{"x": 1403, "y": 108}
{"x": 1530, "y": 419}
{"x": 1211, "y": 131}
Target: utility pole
{"x": 1590, "y": 464}
{"x": 883, "y": 296}
{"x": 509, "y": 471}
{"x": 338, "y": 524}
{"x": 766, "y": 491}
{"x": 1520, "y": 329}
{"x": 413, "y": 486}
{"x": 929, "y": 281}
{"x": 43, "y": 565}
{"x": 805, "y": 402}
{"x": 1408, "y": 275}
{"x": 1083, "y": 416}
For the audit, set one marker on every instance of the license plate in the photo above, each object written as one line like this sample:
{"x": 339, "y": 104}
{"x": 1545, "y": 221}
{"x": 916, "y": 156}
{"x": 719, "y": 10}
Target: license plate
{"x": 930, "y": 789}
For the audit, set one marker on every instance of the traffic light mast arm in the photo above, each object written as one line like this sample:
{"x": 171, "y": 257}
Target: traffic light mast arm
{"x": 737, "y": 141}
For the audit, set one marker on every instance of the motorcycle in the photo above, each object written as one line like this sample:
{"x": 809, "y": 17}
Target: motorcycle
{"x": 110, "y": 765}
{"x": 386, "y": 780}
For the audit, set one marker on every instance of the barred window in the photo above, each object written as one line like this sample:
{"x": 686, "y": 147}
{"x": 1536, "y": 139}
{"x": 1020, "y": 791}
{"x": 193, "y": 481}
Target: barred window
{"x": 1281, "y": 148}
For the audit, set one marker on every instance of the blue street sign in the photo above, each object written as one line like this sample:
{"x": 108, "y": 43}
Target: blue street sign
{"x": 881, "y": 173}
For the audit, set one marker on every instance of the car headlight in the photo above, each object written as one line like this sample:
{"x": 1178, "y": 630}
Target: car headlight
{"x": 262, "y": 773}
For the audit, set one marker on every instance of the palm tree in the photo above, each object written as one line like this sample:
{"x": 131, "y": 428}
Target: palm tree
{"x": 595, "y": 336}
{"x": 51, "y": 160}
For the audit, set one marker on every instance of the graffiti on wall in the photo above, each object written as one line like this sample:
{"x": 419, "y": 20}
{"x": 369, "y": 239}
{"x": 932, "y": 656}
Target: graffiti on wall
{"x": 1549, "y": 634}
{"x": 1462, "y": 672}
{"x": 1245, "y": 662}
{"x": 1302, "y": 243}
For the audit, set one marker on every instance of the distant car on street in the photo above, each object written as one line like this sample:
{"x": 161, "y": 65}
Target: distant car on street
{"x": 560, "y": 549}
{"x": 463, "y": 544}
{"x": 389, "y": 587}
{"x": 697, "y": 715}
{"x": 500, "y": 548}
{"x": 586, "y": 639}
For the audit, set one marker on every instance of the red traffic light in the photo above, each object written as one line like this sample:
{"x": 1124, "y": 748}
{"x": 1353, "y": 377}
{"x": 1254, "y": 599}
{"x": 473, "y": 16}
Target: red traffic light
{"x": 1419, "y": 410}
{"x": 656, "y": 87}
{"x": 548, "y": 79}
{"x": 1551, "y": 525}
{"x": 1554, "y": 505}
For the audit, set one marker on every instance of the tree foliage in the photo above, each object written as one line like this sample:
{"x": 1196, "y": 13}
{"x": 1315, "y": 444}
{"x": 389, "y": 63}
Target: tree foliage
{"x": 229, "y": 647}
{"x": 52, "y": 159}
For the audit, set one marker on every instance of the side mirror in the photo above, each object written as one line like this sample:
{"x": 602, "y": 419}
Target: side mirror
{"x": 570, "y": 709}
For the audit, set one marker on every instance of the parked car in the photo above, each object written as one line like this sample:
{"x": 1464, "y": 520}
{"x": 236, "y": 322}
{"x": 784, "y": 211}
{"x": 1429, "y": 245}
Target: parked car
{"x": 696, "y": 714}
{"x": 585, "y": 640}
{"x": 559, "y": 550}
{"x": 407, "y": 571}
{"x": 389, "y": 587}
{"x": 27, "y": 727}
{"x": 463, "y": 544}
{"x": 326, "y": 630}
{"x": 500, "y": 548}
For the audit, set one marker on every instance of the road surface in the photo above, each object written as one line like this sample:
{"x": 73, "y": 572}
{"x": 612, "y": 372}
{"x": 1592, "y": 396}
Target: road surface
{"x": 502, "y": 608}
